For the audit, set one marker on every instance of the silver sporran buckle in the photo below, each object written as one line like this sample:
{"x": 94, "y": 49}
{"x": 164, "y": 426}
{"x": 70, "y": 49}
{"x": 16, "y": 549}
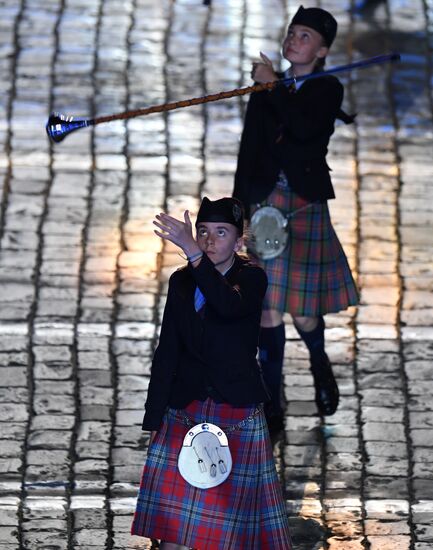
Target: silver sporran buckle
{"x": 269, "y": 232}
{"x": 205, "y": 460}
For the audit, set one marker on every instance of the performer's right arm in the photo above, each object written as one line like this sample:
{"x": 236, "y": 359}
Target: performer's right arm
{"x": 163, "y": 366}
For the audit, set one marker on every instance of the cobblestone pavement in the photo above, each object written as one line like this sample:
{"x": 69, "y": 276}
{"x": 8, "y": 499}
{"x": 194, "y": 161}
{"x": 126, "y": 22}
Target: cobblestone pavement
{"x": 82, "y": 279}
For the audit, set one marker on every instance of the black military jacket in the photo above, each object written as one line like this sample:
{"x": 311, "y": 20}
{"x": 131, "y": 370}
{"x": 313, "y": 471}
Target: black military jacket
{"x": 289, "y": 131}
{"x": 198, "y": 355}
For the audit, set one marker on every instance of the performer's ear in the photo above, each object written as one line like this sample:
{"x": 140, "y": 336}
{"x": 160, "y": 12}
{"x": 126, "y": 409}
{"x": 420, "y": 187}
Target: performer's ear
{"x": 238, "y": 244}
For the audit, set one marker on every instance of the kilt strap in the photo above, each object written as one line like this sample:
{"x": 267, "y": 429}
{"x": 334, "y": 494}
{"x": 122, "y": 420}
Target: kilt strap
{"x": 182, "y": 417}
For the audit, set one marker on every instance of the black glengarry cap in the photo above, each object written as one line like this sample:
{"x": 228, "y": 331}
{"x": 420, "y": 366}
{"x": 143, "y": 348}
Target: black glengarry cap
{"x": 225, "y": 210}
{"x": 319, "y": 20}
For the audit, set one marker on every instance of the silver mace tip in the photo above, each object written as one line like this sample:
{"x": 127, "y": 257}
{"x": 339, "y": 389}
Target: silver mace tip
{"x": 59, "y": 126}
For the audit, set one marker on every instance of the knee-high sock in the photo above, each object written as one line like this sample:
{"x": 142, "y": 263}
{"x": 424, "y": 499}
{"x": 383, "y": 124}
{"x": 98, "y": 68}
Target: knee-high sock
{"x": 271, "y": 354}
{"x": 314, "y": 340}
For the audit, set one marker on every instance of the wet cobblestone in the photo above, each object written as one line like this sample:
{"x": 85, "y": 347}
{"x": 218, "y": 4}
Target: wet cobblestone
{"x": 83, "y": 280}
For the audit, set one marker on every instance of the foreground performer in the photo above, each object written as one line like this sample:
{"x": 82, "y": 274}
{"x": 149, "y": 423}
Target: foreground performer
{"x": 282, "y": 162}
{"x": 205, "y": 371}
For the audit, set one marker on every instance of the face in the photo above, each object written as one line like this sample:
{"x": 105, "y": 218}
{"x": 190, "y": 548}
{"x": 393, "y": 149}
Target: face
{"x": 303, "y": 46}
{"x": 219, "y": 241}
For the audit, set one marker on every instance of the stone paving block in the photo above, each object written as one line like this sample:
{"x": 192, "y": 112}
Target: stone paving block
{"x": 93, "y": 431}
{"x": 133, "y": 348}
{"x": 128, "y": 473}
{"x": 422, "y": 438}
{"x": 349, "y": 529}
{"x": 96, "y": 396}
{"x": 390, "y": 528}
{"x": 386, "y": 509}
{"x": 424, "y": 532}
{"x": 10, "y": 466}
{"x": 337, "y": 543}
{"x": 311, "y": 437}
{"x": 95, "y": 412}
{"x": 8, "y": 516}
{"x": 83, "y": 520}
{"x": 99, "y": 378}
{"x": 349, "y": 481}
{"x": 91, "y": 468}
{"x": 393, "y": 466}
{"x": 386, "y": 449}
{"x": 382, "y": 414}
{"x": 49, "y": 524}
{"x": 56, "y": 387}
{"x": 376, "y": 486}
{"x": 131, "y": 437}
{"x": 10, "y": 448}
{"x": 45, "y": 539}
{"x": 50, "y": 404}
{"x": 379, "y": 398}
{"x": 302, "y": 456}
{"x": 13, "y": 412}
{"x": 12, "y": 430}
{"x": 92, "y": 450}
{"x": 297, "y": 489}
{"x": 90, "y": 537}
{"x": 45, "y": 456}
{"x": 342, "y": 445}
{"x": 130, "y": 400}
{"x": 377, "y": 346}
{"x": 13, "y": 376}
{"x": 420, "y": 389}
{"x": 395, "y": 542}
{"x": 344, "y": 461}
{"x": 379, "y": 380}
{"x": 90, "y": 485}
{"x": 53, "y": 371}
{"x": 421, "y": 420}
{"x": 423, "y": 489}
{"x": 14, "y": 395}
{"x": 11, "y": 359}
{"x": 8, "y": 535}
{"x": 129, "y": 417}
{"x": 421, "y": 402}
{"x": 418, "y": 370}
{"x": 423, "y": 470}
{"x": 341, "y": 417}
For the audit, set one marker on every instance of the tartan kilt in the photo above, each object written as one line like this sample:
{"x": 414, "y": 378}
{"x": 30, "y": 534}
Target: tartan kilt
{"x": 245, "y": 512}
{"x": 312, "y": 276}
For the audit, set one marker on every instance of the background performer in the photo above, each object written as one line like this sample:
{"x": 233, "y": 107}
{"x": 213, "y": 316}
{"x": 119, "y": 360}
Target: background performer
{"x": 282, "y": 162}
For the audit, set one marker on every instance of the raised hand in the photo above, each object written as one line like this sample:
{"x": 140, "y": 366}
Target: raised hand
{"x": 178, "y": 232}
{"x": 263, "y": 71}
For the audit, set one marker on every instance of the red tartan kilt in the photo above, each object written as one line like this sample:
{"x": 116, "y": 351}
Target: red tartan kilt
{"x": 245, "y": 512}
{"x": 312, "y": 276}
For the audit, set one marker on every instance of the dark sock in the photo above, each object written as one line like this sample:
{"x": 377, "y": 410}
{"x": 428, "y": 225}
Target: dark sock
{"x": 327, "y": 394}
{"x": 314, "y": 340}
{"x": 271, "y": 354}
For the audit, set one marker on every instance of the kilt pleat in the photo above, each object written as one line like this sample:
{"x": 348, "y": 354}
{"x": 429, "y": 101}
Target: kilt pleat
{"x": 312, "y": 276}
{"x": 245, "y": 512}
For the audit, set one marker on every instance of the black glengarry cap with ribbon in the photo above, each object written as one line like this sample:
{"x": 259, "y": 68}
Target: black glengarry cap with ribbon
{"x": 225, "y": 210}
{"x": 318, "y": 19}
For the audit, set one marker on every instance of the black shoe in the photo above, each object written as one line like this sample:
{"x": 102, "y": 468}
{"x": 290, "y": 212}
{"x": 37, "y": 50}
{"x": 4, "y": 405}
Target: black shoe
{"x": 327, "y": 394}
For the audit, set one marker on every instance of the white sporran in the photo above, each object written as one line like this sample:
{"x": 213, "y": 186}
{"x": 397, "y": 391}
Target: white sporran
{"x": 205, "y": 460}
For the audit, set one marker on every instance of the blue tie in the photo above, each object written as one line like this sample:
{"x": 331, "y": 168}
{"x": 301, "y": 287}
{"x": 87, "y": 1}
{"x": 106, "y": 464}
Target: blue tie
{"x": 199, "y": 299}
